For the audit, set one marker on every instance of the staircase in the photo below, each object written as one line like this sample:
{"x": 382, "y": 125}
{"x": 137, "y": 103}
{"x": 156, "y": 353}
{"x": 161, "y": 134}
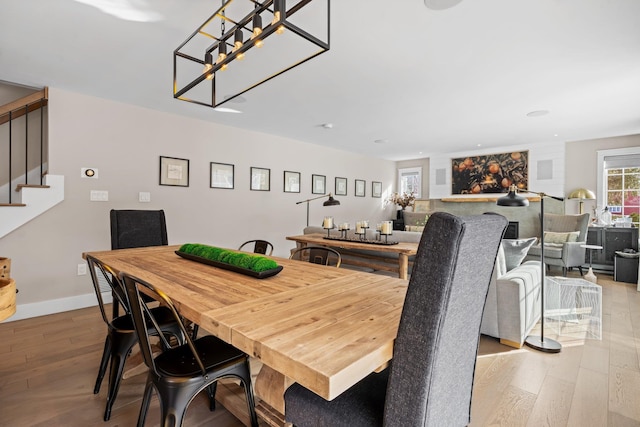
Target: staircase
{"x": 26, "y": 190}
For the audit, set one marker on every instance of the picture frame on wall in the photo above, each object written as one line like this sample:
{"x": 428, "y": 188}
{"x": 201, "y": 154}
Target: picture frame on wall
{"x": 490, "y": 173}
{"x": 291, "y": 182}
{"x": 376, "y": 189}
{"x": 260, "y": 179}
{"x": 360, "y": 187}
{"x": 341, "y": 186}
{"x": 174, "y": 171}
{"x": 221, "y": 175}
{"x": 318, "y": 184}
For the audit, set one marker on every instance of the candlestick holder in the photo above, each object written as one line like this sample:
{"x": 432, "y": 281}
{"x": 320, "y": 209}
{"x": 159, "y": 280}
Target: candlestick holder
{"x": 327, "y": 224}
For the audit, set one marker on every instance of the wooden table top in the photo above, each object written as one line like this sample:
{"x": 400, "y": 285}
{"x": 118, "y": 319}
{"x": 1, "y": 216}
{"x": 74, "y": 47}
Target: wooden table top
{"x": 407, "y": 248}
{"x": 324, "y": 327}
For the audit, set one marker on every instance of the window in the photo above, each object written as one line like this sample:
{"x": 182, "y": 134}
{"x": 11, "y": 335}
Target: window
{"x": 410, "y": 181}
{"x": 620, "y": 170}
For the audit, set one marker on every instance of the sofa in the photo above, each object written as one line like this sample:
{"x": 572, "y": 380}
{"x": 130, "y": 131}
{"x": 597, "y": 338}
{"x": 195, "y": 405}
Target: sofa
{"x": 512, "y": 308}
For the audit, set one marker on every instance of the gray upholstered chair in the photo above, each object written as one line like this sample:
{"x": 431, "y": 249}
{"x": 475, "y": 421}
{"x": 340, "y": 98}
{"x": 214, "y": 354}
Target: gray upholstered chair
{"x": 430, "y": 378}
{"x": 132, "y": 228}
{"x": 568, "y": 253}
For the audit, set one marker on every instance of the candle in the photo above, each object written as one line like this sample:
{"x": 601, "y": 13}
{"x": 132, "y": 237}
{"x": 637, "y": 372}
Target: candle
{"x": 359, "y": 227}
{"x": 328, "y": 222}
{"x": 365, "y": 224}
{"x": 386, "y": 227}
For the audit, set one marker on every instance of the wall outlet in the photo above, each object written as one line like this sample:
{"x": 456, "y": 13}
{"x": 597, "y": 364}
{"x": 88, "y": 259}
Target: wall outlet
{"x": 82, "y": 269}
{"x": 144, "y": 197}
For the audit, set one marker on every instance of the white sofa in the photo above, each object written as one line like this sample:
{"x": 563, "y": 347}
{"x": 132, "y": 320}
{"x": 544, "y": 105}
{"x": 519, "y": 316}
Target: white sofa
{"x": 513, "y": 302}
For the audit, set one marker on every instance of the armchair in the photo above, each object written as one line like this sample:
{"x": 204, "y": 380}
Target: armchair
{"x": 564, "y": 234}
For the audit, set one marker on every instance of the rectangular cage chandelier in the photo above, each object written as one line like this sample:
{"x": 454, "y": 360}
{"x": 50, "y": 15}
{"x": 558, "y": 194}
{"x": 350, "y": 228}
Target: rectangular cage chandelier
{"x": 246, "y": 43}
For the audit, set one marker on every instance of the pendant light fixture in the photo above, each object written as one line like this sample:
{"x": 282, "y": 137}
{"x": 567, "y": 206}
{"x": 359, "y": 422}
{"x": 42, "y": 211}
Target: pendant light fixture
{"x": 238, "y": 35}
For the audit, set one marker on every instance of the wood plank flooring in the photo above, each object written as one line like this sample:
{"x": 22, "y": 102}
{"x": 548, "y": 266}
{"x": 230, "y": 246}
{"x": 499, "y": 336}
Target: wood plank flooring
{"x": 48, "y": 367}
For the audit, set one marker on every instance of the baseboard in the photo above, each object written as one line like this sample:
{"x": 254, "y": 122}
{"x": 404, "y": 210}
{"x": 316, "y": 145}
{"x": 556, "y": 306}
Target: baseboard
{"x": 42, "y": 308}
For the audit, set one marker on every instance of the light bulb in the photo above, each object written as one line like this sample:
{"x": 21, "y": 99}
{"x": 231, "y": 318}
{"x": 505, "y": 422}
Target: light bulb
{"x": 221, "y": 57}
{"x": 240, "y": 56}
{"x": 257, "y": 26}
{"x": 276, "y": 17}
{"x": 223, "y": 67}
{"x": 210, "y": 76}
{"x": 280, "y": 29}
{"x": 259, "y": 43}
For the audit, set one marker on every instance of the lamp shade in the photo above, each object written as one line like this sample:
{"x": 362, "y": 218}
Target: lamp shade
{"x": 582, "y": 193}
{"x": 331, "y": 201}
{"x": 512, "y": 199}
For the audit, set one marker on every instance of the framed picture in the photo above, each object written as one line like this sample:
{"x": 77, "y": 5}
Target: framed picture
{"x": 360, "y": 185}
{"x": 221, "y": 175}
{"x": 376, "y": 189}
{"x": 291, "y": 182}
{"x": 318, "y": 184}
{"x": 174, "y": 171}
{"x": 260, "y": 179}
{"x": 493, "y": 173}
{"x": 341, "y": 186}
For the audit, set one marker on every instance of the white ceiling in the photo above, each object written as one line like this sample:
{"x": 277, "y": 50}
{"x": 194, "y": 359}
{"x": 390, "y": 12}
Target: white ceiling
{"x": 426, "y": 81}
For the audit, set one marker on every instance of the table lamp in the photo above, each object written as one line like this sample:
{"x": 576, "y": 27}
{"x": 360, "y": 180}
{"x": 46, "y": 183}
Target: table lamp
{"x": 582, "y": 194}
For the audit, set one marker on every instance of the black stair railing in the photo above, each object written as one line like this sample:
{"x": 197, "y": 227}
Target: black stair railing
{"x": 25, "y": 107}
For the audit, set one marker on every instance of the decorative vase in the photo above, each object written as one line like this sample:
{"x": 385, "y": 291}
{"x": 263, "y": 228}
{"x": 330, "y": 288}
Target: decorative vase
{"x": 400, "y": 214}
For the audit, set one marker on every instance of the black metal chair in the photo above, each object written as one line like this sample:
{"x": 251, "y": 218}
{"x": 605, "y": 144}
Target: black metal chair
{"x": 430, "y": 379}
{"x": 121, "y": 336}
{"x": 180, "y": 373}
{"x": 317, "y": 255}
{"x": 259, "y": 246}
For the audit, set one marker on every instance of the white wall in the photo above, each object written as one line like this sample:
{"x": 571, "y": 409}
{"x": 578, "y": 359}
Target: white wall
{"x": 124, "y": 143}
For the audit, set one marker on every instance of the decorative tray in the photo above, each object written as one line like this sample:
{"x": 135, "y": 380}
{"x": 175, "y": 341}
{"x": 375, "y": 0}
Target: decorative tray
{"x": 355, "y": 240}
{"x": 258, "y": 275}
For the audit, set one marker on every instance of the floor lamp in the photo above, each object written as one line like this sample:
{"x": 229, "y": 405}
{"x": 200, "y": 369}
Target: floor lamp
{"x": 512, "y": 199}
{"x": 329, "y": 202}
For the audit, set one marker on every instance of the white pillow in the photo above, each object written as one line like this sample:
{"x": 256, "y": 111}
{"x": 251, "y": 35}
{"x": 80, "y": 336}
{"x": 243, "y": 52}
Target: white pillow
{"x": 515, "y": 251}
{"x": 553, "y": 237}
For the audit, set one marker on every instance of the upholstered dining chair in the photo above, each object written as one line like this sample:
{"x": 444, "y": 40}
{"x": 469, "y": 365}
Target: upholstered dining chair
{"x": 132, "y": 228}
{"x": 259, "y": 246}
{"x": 180, "y": 373}
{"x": 563, "y": 238}
{"x": 317, "y": 255}
{"x": 121, "y": 336}
{"x": 430, "y": 379}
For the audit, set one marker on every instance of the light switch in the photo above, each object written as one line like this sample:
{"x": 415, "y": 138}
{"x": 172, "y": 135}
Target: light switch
{"x": 99, "y": 196}
{"x": 144, "y": 197}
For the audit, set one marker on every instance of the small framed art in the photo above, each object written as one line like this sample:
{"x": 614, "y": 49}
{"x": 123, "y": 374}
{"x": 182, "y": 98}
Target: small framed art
{"x": 260, "y": 179}
{"x": 376, "y": 189}
{"x": 174, "y": 171}
{"x": 291, "y": 182}
{"x": 360, "y": 187}
{"x": 221, "y": 175}
{"x": 341, "y": 186}
{"x": 318, "y": 184}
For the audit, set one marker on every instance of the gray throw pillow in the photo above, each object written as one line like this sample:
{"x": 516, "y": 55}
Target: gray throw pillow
{"x": 516, "y": 250}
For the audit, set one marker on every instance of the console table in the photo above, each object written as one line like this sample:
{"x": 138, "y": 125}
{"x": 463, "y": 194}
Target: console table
{"x": 612, "y": 239}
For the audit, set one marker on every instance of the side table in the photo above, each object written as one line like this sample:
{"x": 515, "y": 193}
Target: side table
{"x": 590, "y": 276}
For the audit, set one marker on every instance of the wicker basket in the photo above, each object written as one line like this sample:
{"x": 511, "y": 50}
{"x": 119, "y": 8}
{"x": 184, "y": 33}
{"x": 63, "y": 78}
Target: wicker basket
{"x": 5, "y": 268}
{"x": 7, "y": 298}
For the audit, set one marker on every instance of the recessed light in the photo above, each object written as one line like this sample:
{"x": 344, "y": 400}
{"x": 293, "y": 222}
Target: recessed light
{"x": 381, "y": 141}
{"x": 537, "y": 113}
{"x": 440, "y": 4}
{"x": 555, "y": 134}
{"x": 327, "y": 125}
{"x": 479, "y": 145}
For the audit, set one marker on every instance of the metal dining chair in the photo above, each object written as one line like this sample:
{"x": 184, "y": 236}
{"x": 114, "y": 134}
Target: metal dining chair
{"x": 259, "y": 246}
{"x": 180, "y": 373}
{"x": 317, "y": 255}
{"x": 121, "y": 336}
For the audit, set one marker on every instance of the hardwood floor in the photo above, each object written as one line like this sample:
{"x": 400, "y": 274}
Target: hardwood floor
{"x": 48, "y": 367}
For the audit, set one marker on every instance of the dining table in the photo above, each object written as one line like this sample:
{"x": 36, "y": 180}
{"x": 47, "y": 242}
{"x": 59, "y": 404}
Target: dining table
{"x": 323, "y": 327}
